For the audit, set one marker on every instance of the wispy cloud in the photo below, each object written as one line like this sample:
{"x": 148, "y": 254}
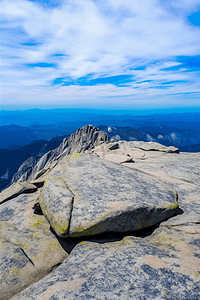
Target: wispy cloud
{"x": 94, "y": 39}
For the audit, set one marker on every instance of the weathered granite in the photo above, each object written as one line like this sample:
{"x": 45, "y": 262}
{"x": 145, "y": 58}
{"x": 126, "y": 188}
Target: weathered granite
{"x": 162, "y": 266}
{"x": 85, "y": 138}
{"x": 86, "y": 195}
{"x": 153, "y": 146}
{"x": 179, "y": 171}
{"x": 16, "y": 189}
{"x": 29, "y": 250}
{"x": 24, "y": 170}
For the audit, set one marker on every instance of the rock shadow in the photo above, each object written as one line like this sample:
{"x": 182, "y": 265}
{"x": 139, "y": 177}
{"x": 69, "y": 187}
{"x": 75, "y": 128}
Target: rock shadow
{"x": 107, "y": 237}
{"x": 37, "y": 209}
{"x": 68, "y": 243}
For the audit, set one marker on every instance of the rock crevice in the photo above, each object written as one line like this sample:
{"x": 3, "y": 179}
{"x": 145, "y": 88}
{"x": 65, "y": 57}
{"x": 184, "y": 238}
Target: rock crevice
{"x": 103, "y": 197}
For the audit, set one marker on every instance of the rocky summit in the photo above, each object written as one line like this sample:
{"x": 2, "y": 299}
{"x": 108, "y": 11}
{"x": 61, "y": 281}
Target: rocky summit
{"x": 96, "y": 219}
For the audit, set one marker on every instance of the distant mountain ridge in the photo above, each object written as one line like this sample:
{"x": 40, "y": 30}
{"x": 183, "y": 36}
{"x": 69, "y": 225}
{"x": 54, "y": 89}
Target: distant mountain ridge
{"x": 11, "y": 160}
{"x": 25, "y": 162}
{"x": 14, "y": 136}
{"x": 165, "y": 136}
{"x": 80, "y": 117}
{"x": 179, "y": 134}
{"x": 27, "y": 156}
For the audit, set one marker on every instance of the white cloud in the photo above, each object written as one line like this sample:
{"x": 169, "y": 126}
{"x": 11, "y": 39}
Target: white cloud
{"x": 97, "y": 38}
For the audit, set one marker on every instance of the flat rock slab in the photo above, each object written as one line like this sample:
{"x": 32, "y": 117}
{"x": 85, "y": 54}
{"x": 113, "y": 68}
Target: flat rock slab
{"x": 86, "y": 195}
{"x": 153, "y": 146}
{"x": 163, "y": 266}
{"x": 16, "y": 189}
{"x": 28, "y": 249}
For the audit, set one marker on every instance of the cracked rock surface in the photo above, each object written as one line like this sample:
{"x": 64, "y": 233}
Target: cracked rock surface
{"x": 86, "y": 195}
{"x": 83, "y": 139}
{"x": 29, "y": 250}
{"x": 17, "y": 189}
{"x": 162, "y": 266}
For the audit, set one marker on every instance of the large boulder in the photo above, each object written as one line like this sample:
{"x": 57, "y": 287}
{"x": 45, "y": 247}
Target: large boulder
{"x": 85, "y": 195}
{"x": 162, "y": 266}
{"x": 179, "y": 171}
{"x": 29, "y": 250}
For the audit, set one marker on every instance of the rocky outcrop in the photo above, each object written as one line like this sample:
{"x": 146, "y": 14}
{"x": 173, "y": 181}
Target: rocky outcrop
{"x": 163, "y": 266}
{"x": 25, "y": 169}
{"x": 85, "y": 195}
{"x": 16, "y": 162}
{"x": 16, "y": 189}
{"x": 152, "y": 146}
{"x": 83, "y": 139}
{"x": 100, "y": 192}
{"x": 29, "y": 250}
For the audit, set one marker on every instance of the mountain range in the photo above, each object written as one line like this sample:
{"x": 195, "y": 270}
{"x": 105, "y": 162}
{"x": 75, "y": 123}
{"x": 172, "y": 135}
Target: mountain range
{"x": 25, "y": 145}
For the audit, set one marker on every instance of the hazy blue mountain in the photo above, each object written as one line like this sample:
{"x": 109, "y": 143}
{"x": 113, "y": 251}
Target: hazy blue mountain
{"x": 11, "y": 160}
{"x": 166, "y": 136}
{"x": 186, "y": 140}
{"x": 24, "y": 134}
{"x": 190, "y": 148}
{"x": 14, "y": 136}
{"x": 80, "y": 117}
{"x": 126, "y": 133}
{"x": 174, "y": 136}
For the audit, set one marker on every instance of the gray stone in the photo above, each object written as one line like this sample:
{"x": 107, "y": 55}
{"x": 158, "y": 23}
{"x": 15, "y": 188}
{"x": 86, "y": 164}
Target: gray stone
{"x": 24, "y": 170}
{"x": 29, "y": 250}
{"x": 162, "y": 266}
{"x": 179, "y": 171}
{"x": 16, "y": 189}
{"x": 113, "y": 146}
{"x": 86, "y": 195}
{"x": 83, "y": 139}
{"x": 153, "y": 146}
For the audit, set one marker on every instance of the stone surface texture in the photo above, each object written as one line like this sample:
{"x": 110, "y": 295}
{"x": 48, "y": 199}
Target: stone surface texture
{"x": 163, "y": 266}
{"x": 153, "y": 146}
{"x": 83, "y": 139}
{"x": 157, "y": 263}
{"x": 179, "y": 171}
{"x": 29, "y": 250}
{"x": 86, "y": 195}
{"x": 16, "y": 189}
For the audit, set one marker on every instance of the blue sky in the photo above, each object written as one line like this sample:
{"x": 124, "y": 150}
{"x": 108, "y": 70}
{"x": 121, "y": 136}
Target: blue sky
{"x": 115, "y": 54}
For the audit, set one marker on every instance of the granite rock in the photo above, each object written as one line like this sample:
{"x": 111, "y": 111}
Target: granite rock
{"x": 16, "y": 189}
{"x": 86, "y": 195}
{"x": 179, "y": 171}
{"x": 162, "y": 266}
{"x": 153, "y": 146}
{"x": 83, "y": 139}
{"x": 29, "y": 250}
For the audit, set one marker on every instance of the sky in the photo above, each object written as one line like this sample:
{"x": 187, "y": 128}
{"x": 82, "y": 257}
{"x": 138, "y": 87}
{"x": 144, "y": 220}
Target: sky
{"x": 105, "y": 54}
